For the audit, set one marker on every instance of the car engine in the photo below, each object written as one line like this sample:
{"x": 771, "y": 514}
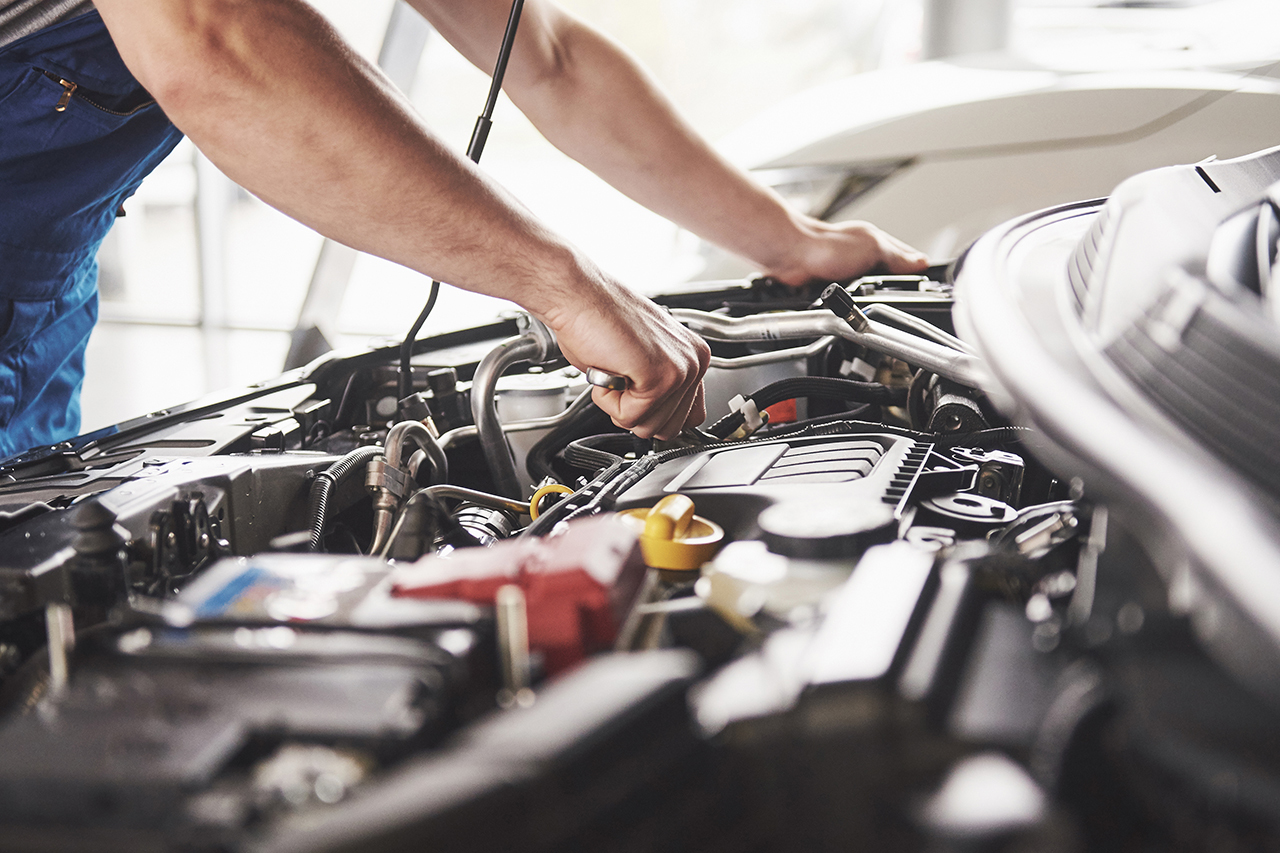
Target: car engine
{"x": 880, "y": 599}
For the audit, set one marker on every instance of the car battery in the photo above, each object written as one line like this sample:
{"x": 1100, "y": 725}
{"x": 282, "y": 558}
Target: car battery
{"x": 152, "y": 716}
{"x": 271, "y": 655}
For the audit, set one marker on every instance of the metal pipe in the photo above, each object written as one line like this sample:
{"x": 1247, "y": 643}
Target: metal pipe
{"x": 418, "y": 433}
{"x": 912, "y": 323}
{"x": 757, "y": 359}
{"x": 462, "y": 433}
{"x": 455, "y": 493}
{"x": 385, "y": 500}
{"x": 534, "y": 345}
{"x": 481, "y": 498}
{"x": 382, "y": 518}
{"x": 962, "y": 367}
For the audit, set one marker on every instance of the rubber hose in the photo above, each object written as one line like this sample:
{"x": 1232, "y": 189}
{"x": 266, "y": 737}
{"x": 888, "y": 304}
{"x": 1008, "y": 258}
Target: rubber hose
{"x": 996, "y": 436}
{"x": 318, "y": 506}
{"x": 484, "y": 407}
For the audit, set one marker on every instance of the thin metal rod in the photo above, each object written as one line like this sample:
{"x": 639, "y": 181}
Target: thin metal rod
{"x": 406, "y": 348}
{"x": 480, "y": 134}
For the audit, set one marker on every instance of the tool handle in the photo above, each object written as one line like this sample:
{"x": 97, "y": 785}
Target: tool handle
{"x": 603, "y": 379}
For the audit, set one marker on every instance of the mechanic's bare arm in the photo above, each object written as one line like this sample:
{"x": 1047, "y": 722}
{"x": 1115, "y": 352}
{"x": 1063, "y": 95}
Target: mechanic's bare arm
{"x": 595, "y": 103}
{"x": 283, "y": 106}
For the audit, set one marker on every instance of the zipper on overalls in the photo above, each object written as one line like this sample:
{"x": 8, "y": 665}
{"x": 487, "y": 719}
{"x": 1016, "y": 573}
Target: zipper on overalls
{"x": 69, "y": 89}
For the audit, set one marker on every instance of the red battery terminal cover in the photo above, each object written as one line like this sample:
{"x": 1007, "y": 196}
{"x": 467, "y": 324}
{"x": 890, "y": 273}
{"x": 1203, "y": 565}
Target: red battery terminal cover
{"x": 578, "y": 585}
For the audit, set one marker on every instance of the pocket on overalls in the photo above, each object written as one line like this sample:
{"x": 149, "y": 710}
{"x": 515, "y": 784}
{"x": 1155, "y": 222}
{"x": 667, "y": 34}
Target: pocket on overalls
{"x": 80, "y": 133}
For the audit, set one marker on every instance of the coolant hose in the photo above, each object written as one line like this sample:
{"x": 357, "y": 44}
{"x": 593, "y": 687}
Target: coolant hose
{"x": 326, "y": 481}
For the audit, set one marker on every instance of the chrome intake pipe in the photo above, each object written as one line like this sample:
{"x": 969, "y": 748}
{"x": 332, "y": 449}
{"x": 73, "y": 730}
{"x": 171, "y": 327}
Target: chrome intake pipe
{"x": 536, "y": 345}
{"x": 962, "y": 367}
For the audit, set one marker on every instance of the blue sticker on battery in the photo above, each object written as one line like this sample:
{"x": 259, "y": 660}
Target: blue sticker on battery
{"x": 241, "y": 593}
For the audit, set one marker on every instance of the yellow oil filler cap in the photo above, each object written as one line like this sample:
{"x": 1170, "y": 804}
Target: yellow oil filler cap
{"x": 672, "y": 537}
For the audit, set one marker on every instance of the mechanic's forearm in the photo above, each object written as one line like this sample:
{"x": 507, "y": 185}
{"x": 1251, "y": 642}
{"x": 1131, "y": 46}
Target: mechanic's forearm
{"x": 605, "y": 111}
{"x": 278, "y": 101}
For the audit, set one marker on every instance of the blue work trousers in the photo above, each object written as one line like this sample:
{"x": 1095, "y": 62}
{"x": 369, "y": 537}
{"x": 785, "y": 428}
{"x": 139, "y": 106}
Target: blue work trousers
{"x": 77, "y": 135}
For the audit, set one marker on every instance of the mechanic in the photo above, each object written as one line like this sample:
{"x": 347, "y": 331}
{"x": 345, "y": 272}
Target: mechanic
{"x": 93, "y": 95}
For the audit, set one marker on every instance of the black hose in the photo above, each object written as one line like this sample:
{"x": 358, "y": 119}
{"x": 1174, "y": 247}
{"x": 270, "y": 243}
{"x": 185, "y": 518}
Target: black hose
{"x": 813, "y": 386}
{"x": 326, "y": 481}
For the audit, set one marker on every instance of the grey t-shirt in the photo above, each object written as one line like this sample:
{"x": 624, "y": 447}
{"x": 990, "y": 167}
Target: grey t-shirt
{"x": 19, "y": 18}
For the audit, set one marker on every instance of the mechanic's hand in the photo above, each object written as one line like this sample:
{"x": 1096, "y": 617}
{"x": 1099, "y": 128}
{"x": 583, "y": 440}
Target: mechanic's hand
{"x": 619, "y": 331}
{"x": 838, "y": 251}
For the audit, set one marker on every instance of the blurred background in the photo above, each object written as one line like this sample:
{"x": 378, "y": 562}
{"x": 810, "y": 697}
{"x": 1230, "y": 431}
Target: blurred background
{"x": 202, "y": 284}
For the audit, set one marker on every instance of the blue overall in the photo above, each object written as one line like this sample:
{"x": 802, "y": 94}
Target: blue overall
{"x": 69, "y": 157}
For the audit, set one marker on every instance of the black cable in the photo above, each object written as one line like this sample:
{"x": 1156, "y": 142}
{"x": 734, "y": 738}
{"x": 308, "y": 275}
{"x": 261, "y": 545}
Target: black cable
{"x": 775, "y": 430}
{"x": 479, "y": 135}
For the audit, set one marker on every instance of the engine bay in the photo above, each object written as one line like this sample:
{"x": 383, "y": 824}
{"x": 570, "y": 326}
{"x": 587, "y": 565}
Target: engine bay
{"x": 854, "y": 608}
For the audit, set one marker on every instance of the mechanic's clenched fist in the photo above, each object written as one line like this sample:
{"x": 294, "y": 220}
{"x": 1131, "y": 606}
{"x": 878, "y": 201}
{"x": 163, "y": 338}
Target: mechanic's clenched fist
{"x": 610, "y": 327}
{"x": 838, "y": 251}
